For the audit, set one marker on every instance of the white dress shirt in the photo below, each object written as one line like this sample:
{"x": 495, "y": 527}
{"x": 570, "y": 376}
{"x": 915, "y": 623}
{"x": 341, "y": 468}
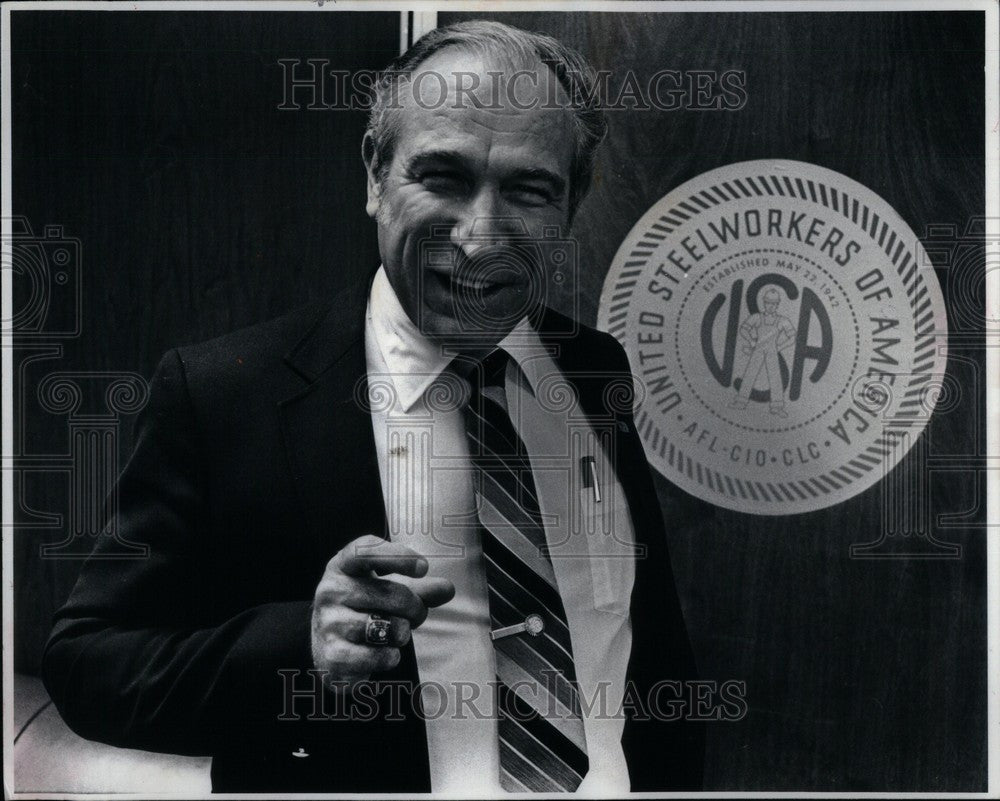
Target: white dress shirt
{"x": 430, "y": 505}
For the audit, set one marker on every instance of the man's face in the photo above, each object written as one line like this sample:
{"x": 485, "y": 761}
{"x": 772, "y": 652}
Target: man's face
{"x": 479, "y": 178}
{"x": 770, "y": 306}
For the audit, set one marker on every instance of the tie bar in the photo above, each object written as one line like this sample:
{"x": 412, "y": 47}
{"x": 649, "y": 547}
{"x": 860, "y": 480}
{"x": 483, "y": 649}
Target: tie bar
{"x": 533, "y": 624}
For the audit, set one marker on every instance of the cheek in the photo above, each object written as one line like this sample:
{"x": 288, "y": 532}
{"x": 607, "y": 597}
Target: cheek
{"x": 551, "y": 217}
{"x": 409, "y": 216}
{"x": 413, "y": 210}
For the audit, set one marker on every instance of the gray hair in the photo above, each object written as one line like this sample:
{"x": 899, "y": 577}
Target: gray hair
{"x": 573, "y": 72}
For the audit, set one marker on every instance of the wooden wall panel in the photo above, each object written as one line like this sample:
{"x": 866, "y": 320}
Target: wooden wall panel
{"x": 202, "y": 208}
{"x": 156, "y": 140}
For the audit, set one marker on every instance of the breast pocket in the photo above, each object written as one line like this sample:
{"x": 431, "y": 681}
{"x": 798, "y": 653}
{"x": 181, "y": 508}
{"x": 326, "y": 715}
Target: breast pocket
{"x": 607, "y": 526}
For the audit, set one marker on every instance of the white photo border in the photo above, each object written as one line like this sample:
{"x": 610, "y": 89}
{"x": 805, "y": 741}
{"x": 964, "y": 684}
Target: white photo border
{"x": 424, "y": 18}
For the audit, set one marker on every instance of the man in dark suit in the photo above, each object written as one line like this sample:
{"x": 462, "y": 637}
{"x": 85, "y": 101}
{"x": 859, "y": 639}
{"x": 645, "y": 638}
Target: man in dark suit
{"x": 427, "y": 493}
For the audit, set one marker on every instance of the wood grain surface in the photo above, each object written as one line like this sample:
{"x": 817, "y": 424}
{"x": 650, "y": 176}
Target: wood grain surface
{"x": 156, "y": 140}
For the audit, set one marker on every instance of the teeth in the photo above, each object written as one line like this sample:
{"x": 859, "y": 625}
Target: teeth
{"x": 467, "y": 285}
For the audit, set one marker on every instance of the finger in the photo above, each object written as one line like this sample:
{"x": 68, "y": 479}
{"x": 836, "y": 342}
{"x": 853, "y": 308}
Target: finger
{"x": 433, "y": 591}
{"x": 386, "y": 658}
{"x": 370, "y": 554}
{"x": 399, "y": 631}
{"x": 352, "y": 660}
{"x": 353, "y": 626}
{"x": 385, "y": 597}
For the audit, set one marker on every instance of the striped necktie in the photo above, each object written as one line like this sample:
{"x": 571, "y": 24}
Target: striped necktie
{"x": 542, "y": 743}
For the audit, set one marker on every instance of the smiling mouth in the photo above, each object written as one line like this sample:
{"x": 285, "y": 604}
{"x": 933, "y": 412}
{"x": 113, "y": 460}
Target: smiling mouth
{"x": 455, "y": 283}
{"x": 474, "y": 286}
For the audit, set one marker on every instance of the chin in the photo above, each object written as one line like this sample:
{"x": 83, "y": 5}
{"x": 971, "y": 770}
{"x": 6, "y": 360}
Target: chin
{"x": 447, "y": 327}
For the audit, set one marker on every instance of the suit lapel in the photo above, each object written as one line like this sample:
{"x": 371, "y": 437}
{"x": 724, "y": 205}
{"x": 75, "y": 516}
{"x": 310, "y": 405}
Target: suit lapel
{"x": 330, "y": 444}
{"x": 603, "y": 407}
{"x": 660, "y": 645}
{"x": 327, "y": 427}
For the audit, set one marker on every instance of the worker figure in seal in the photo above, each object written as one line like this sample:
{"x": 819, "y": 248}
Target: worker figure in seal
{"x": 765, "y": 334}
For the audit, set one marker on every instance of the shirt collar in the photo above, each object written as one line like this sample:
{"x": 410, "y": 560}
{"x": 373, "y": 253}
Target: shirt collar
{"x": 529, "y": 353}
{"x": 414, "y": 362}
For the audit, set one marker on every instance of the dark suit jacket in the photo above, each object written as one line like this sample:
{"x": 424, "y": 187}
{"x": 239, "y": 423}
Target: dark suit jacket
{"x": 253, "y": 465}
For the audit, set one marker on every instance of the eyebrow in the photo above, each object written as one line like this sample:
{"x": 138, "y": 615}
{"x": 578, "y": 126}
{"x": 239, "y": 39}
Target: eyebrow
{"x": 430, "y": 158}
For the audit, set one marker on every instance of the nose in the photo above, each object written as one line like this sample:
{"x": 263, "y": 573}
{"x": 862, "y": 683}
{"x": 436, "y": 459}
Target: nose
{"x": 485, "y": 222}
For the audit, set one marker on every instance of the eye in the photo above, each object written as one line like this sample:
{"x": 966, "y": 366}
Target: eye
{"x": 530, "y": 195}
{"x": 443, "y": 181}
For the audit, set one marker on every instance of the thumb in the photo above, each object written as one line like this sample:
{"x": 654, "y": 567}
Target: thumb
{"x": 433, "y": 591}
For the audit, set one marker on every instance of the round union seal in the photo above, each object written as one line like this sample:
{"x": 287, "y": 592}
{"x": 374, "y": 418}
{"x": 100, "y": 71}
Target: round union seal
{"x": 787, "y": 335}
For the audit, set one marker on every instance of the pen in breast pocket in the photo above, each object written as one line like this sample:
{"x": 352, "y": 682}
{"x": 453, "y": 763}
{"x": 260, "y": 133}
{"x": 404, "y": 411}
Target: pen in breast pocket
{"x": 588, "y": 474}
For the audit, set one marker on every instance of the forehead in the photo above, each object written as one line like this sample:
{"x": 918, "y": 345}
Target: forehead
{"x": 517, "y": 109}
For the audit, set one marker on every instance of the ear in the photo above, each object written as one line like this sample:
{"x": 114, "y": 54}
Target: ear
{"x": 371, "y": 167}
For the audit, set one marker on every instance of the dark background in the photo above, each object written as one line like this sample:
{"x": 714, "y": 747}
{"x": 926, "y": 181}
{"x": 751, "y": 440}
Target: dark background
{"x": 155, "y": 139}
